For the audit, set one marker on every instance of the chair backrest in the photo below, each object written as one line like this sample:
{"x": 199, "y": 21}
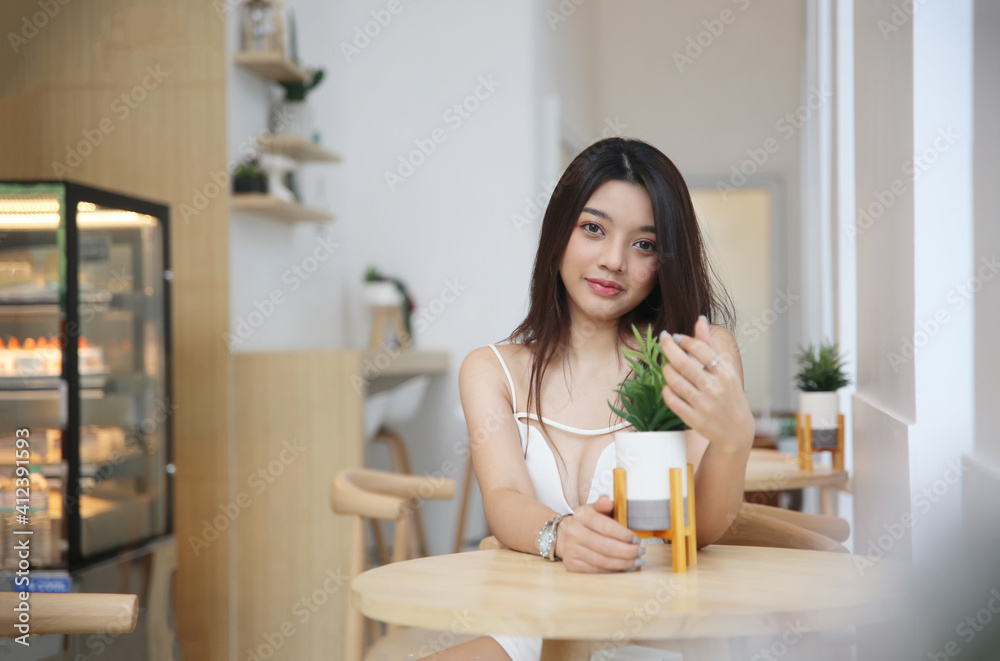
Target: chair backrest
{"x": 833, "y": 527}
{"x": 753, "y": 526}
{"x": 491, "y": 543}
{"x": 75, "y": 612}
{"x": 367, "y": 493}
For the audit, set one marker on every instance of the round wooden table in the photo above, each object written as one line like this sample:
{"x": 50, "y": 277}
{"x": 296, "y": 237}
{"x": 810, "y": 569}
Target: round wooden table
{"x": 773, "y": 471}
{"x": 733, "y": 591}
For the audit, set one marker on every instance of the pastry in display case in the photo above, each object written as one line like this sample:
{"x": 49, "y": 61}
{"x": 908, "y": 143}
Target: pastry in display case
{"x": 85, "y": 412}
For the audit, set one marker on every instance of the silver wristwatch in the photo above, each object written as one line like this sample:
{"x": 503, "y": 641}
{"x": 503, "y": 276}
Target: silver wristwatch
{"x": 547, "y": 538}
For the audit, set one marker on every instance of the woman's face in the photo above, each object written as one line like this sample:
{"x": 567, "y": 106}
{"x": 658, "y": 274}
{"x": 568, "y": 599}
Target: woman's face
{"x": 609, "y": 266}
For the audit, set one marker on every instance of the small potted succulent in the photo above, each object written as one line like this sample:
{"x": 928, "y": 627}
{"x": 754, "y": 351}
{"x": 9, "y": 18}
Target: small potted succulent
{"x": 296, "y": 90}
{"x": 658, "y": 443}
{"x": 249, "y": 178}
{"x": 385, "y": 291}
{"x": 821, "y": 374}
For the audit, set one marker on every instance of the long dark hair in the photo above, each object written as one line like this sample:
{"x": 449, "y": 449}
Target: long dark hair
{"x": 684, "y": 288}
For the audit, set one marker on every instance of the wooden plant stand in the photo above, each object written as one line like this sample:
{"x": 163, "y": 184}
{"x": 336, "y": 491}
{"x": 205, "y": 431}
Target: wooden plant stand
{"x": 384, "y": 313}
{"x": 803, "y": 433}
{"x": 682, "y": 537}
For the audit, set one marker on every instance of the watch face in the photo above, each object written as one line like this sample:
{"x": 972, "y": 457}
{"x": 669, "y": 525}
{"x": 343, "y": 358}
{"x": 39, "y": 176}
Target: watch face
{"x": 545, "y": 541}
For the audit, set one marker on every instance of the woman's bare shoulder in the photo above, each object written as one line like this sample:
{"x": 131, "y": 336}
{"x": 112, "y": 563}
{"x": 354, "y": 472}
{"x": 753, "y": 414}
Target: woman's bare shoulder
{"x": 723, "y": 338}
{"x": 515, "y": 356}
{"x": 482, "y": 363}
{"x": 727, "y": 346}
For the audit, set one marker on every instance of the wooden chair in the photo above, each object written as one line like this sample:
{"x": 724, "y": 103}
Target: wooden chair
{"x": 372, "y": 494}
{"x": 834, "y": 527}
{"x": 491, "y": 543}
{"x": 67, "y": 613}
{"x": 463, "y": 508}
{"x": 763, "y": 525}
{"x": 400, "y": 405}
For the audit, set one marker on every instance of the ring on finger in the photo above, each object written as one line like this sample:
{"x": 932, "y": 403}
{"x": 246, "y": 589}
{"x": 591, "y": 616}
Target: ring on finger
{"x": 715, "y": 361}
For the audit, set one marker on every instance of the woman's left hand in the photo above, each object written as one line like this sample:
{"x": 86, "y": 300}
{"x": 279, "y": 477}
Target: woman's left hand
{"x": 705, "y": 387}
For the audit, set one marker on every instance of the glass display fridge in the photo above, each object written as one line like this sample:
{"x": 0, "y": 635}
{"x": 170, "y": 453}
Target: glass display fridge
{"x": 85, "y": 407}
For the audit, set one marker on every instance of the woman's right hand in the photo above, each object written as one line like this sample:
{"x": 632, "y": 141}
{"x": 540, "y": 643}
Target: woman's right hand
{"x": 590, "y": 541}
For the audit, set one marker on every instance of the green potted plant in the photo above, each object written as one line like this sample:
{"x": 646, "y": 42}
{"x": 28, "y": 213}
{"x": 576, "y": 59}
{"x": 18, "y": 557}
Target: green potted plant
{"x": 384, "y": 291}
{"x": 249, "y": 178}
{"x": 821, "y": 374}
{"x": 291, "y": 115}
{"x": 296, "y": 90}
{"x": 658, "y": 443}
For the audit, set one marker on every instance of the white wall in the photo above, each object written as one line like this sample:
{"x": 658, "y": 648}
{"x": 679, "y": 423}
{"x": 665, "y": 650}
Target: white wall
{"x": 568, "y": 63}
{"x": 984, "y": 477}
{"x": 914, "y": 404}
{"x": 945, "y": 260}
{"x": 453, "y": 221}
{"x": 844, "y": 247}
{"x": 914, "y": 399}
{"x": 884, "y": 404}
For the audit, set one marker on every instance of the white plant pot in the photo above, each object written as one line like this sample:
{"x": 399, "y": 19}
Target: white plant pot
{"x": 823, "y": 409}
{"x": 647, "y": 458}
{"x": 291, "y": 118}
{"x": 382, "y": 293}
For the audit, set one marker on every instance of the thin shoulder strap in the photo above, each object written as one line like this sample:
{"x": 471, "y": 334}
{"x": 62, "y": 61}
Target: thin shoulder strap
{"x": 513, "y": 394}
{"x": 557, "y": 425}
{"x": 576, "y": 430}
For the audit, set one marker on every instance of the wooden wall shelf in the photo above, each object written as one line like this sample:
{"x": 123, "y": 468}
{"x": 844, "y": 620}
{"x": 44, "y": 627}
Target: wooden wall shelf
{"x": 272, "y": 206}
{"x": 271, "y": 66}
{"x": 410, "y": 362}
{"x": 296, "y": 147}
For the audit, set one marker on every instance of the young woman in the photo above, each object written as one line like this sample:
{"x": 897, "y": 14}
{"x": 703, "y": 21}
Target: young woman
{"x": 619, "y": 245}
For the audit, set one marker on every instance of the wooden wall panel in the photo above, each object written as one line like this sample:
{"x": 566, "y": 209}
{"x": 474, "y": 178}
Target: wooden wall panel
{"x": 168, "y": 56}
{"x": 297, "y": 421}
{"x": 19, "y": 122}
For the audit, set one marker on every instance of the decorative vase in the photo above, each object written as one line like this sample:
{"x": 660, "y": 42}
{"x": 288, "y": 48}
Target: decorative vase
{"x": 382, "y": 293}
{"x": 261, "y": 27}
{"x": 823, "y": 409}
{"x": 647, "y": 457}
{"x": 277, "y": 166}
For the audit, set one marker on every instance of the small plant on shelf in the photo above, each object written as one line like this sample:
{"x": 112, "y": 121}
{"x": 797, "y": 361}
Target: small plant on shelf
{"x": 249, "y": 178}
{"x": 297, "y": 90}
{"x": 291, "y": 115}
{"x": 821, "y": 369}
{"x": 821, "y": 374}
{"x": 786, "y": 427}
{"x": 399, "y": 294}
{"x": 642, "y": 394}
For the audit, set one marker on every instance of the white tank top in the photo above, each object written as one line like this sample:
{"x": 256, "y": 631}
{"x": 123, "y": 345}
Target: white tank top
{"x": 545, "y": 478}
{"x": 541, "y": 461}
